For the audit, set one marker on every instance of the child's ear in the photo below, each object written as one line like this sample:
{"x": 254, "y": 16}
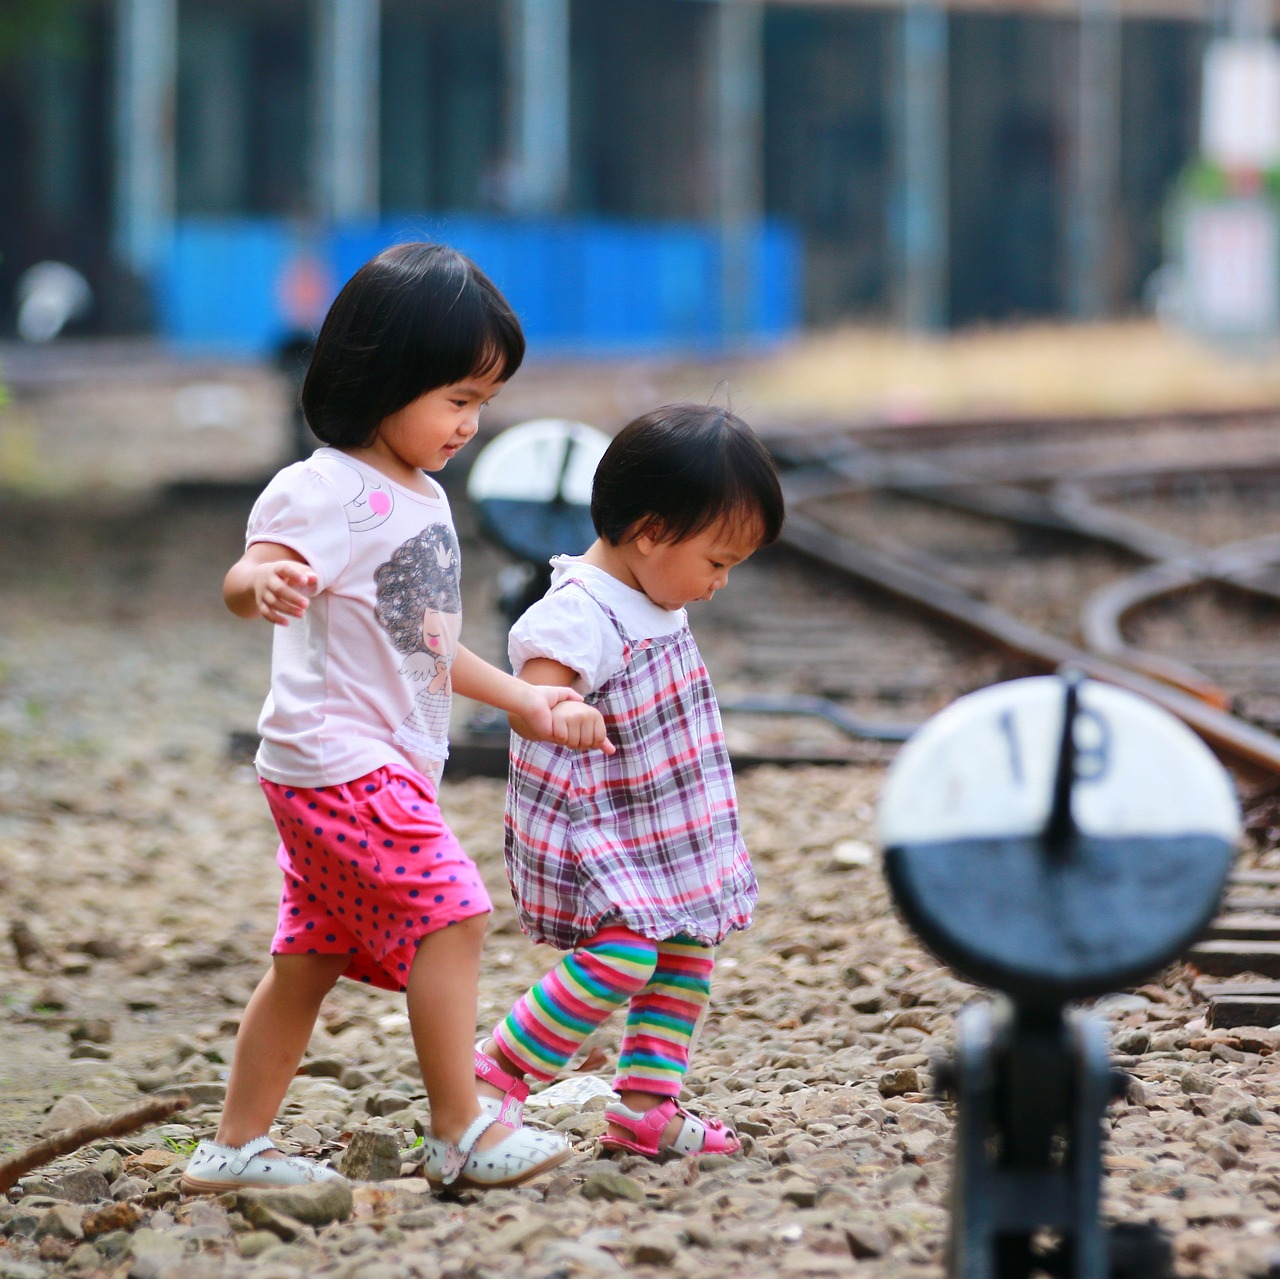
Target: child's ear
{"x": 649, "y": 536}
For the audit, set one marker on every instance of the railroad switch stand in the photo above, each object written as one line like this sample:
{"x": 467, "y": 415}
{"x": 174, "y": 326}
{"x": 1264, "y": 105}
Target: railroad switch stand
{"x": 1054, "y": 839}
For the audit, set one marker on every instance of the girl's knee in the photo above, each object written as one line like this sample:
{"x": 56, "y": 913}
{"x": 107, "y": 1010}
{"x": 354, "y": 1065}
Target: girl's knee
{"x": 307, "y": 975}
{"x": 625, "y": 959}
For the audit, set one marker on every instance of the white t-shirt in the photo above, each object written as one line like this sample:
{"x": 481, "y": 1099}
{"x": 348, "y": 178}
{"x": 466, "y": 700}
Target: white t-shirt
{"x": 570, "y": 628}
{"x": 362, "y": 679}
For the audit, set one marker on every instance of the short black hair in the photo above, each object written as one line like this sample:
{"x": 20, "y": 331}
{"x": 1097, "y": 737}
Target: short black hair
{"x": 681, "y": 469}
{"x": 416, "y": 317}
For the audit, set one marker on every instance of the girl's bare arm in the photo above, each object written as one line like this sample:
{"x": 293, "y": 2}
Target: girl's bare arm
{"x": 271, "y": 581}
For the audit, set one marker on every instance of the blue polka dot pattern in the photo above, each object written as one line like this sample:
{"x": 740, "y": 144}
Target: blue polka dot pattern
{"x": 381, "y": 939}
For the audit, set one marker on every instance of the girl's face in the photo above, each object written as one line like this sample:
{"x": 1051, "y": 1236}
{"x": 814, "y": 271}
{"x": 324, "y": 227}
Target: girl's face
{"x": 440, "y": 631}
{"x": 673, "y": 574}
{"x": 427, "y": 432}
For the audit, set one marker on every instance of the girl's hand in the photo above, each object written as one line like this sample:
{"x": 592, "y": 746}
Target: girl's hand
{"x": 282, "y": 589}
{"x": 270, "y": 581}
{"x": 580, "y": 727}
{"x": 534, "y": 719}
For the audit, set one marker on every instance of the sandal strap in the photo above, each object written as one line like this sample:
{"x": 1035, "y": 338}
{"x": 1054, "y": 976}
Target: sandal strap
{"x": 488, "y": 1069}
{"x": 455, "y": 1159}
{"x": 647, "y": 1128}
{"x": 515, "y": 1092}
{"x": 239, "y": 1160}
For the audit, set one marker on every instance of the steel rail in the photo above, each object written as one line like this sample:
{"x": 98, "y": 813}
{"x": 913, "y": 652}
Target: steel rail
{"x": 1229, "y": 736}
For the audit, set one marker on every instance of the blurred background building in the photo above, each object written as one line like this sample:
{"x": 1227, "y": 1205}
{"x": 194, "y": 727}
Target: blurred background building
{"x": 633, "y": 173}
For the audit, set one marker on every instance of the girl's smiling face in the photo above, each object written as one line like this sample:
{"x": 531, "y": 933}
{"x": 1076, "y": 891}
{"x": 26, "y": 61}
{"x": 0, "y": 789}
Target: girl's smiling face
{"x": 673, "y": 574}
{"x": 430, "y": 430}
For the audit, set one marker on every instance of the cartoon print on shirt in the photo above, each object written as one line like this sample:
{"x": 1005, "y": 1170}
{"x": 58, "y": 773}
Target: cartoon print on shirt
{"x": 420, "y": 606}
{"x": 367, "y": 500}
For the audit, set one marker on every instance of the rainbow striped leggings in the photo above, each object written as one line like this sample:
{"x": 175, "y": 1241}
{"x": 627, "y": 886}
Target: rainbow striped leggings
{"x": 665, "y": 985}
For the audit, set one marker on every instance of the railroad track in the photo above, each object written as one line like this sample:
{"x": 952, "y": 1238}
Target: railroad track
{"x": 1120, "y": 526}
{"x": 861, "y": 499}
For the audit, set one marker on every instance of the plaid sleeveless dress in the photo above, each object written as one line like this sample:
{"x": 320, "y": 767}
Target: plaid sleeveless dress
{"x": 647, "y": 837}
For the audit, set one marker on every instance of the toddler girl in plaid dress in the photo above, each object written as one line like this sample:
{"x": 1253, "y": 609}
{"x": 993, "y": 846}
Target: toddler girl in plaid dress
{"x": 631, "y": 860}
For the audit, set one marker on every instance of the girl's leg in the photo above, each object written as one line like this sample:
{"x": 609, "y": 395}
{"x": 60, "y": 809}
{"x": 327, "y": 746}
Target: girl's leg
{"x": 660, "y": 1025}
{"x": 551, "y": 1022}
{"x": 442, "y": 992}
{"x": 273, "y": 1035}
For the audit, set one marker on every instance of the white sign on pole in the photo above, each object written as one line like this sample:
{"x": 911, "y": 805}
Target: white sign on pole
{"x": 1240, "y": 107}
{"x": 1231, "y": 268}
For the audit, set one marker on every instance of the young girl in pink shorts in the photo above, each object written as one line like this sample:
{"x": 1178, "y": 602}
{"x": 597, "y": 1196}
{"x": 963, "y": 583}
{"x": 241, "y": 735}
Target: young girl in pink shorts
{"x": 352, "y": 555}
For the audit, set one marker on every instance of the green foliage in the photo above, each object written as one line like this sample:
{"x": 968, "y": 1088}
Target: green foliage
{"x": 26, "y": 24}
{"x": 1205, "y": 181}
{"x": 179, "y": 1146}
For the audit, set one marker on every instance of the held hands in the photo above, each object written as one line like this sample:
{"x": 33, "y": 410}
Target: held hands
{"x": 558, "y": 714}
{"x": 580, "y": 727}
{"x": 281, "y": 590}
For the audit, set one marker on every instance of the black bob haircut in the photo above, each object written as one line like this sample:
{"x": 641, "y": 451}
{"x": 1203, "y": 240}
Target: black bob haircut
{"x": 416, "y": 317}
{"x": 681, "y": 469}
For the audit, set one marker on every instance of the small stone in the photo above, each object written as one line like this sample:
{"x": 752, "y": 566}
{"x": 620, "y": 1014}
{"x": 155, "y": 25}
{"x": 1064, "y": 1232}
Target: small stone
{"x": 315, "y": 1205}
{"x": 150, "y": 1162}
{"x": 67, "y": 1112}
{"x": 1244, "y": 1111}
{"x": 1195, "y": 1082}
{"x": 95, "y": 1030}
{"x": 53, "y": 1249}
{"x": 611, "y": 1186}
{"x": 372, "y": 1156}
{"x": 110, "y": 1165}
{"x": 894, "y": 1083}
{"x": 523, "y": 1235}
{"x": 154, "y": 1253}
{"x": 83, "y": 1259}
{"x": 129, "y": 1188}
{"x": 865, "y": 1239}
{"x": 279, "y": 1224}
{"x": 567, "y": 1256}
{"x": 850, "y": 853}
{"x": 353, "y": 1079}
{"x": 117, "y": 1216}
{"x": 1131, "y": 1040}
{"x": 62, "y": 1222}
{"x": 113, "y": 1244}
{"x": 254, "y": 1242}
{"x": 20, "y": 1270}
{"x": 84, "y": 1186}
{"x": 90, "y": 1052}
{"x": 654, "y": 1247}
{"x": 386, "y": 1102}
{"x": 323, "y": 1067}
{"x": 866, "y": 999}
{"x": 908, "y": 1177}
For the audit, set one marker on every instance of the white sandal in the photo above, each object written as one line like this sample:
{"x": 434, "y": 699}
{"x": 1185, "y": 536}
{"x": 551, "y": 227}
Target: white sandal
{"x": 213, "y": 1168}
{"x": 524, "y": 1154}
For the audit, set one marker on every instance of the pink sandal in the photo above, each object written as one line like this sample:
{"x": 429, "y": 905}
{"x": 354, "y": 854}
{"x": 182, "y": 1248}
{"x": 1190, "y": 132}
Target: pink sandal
{"x": 696, "y": 1136}
{"x": 509, "y": 1108}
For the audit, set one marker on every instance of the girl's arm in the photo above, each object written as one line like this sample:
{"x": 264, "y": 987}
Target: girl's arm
{"x": 577, "y": 725}
{"x": 526, "y": 702}
{"x": 271, "y": 581}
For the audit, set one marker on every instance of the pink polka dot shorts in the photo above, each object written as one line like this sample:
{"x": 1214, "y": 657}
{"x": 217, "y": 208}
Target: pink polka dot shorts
{"x": 370, "y": 869}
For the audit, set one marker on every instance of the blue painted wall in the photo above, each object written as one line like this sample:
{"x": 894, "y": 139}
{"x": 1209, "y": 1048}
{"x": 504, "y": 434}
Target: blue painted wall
{"x": 581, "y": 286}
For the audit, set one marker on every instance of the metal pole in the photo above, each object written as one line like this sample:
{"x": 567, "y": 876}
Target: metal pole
{"x": 737, "y": 139}
{"x": 346, "y": 109}
{"x": 146, "y": 56}
{"x": 1096, "y": 161}
{"x": 920, "y": 201}
{"x": 538, "y": 145}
